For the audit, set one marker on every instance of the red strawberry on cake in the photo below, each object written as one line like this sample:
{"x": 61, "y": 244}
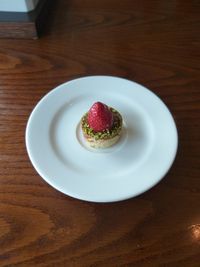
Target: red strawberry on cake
{"x": 100, "y": 117}
{"x": 101, "y": 126}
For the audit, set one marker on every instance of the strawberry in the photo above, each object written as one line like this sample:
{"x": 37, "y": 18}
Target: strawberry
{"x": 100, "y": 117}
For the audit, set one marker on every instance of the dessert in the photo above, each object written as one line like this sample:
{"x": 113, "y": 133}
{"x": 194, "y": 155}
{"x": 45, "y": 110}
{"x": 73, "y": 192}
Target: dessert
{"x": 101, "y": 126}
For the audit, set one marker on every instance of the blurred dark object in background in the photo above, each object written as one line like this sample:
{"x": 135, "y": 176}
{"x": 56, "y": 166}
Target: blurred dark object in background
{"x": 27, "y": 25}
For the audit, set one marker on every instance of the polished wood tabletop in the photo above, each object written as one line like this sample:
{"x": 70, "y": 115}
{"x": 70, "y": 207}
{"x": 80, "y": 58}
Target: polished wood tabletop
{"x": 155, "y": 43}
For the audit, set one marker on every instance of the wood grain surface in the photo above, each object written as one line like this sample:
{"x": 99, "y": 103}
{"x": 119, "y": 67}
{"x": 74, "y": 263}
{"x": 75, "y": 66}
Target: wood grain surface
{"x": 155, "y": 43}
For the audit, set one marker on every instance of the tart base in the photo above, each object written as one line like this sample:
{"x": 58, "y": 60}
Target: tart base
{"x": 101, "y": 143}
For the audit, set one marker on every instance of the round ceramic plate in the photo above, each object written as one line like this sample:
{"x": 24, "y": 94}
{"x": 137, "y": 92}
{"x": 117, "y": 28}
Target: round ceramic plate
{"x": 141, "y": 158}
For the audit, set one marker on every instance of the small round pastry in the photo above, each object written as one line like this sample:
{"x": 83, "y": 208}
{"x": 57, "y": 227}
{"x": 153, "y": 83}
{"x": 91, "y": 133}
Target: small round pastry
{"x": 101, "y": 126}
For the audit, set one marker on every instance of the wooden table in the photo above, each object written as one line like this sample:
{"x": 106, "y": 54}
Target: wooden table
{"x": 155, "y": 43}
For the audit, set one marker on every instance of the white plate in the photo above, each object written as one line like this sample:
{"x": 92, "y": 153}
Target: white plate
{"x": 136, "y": 163}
